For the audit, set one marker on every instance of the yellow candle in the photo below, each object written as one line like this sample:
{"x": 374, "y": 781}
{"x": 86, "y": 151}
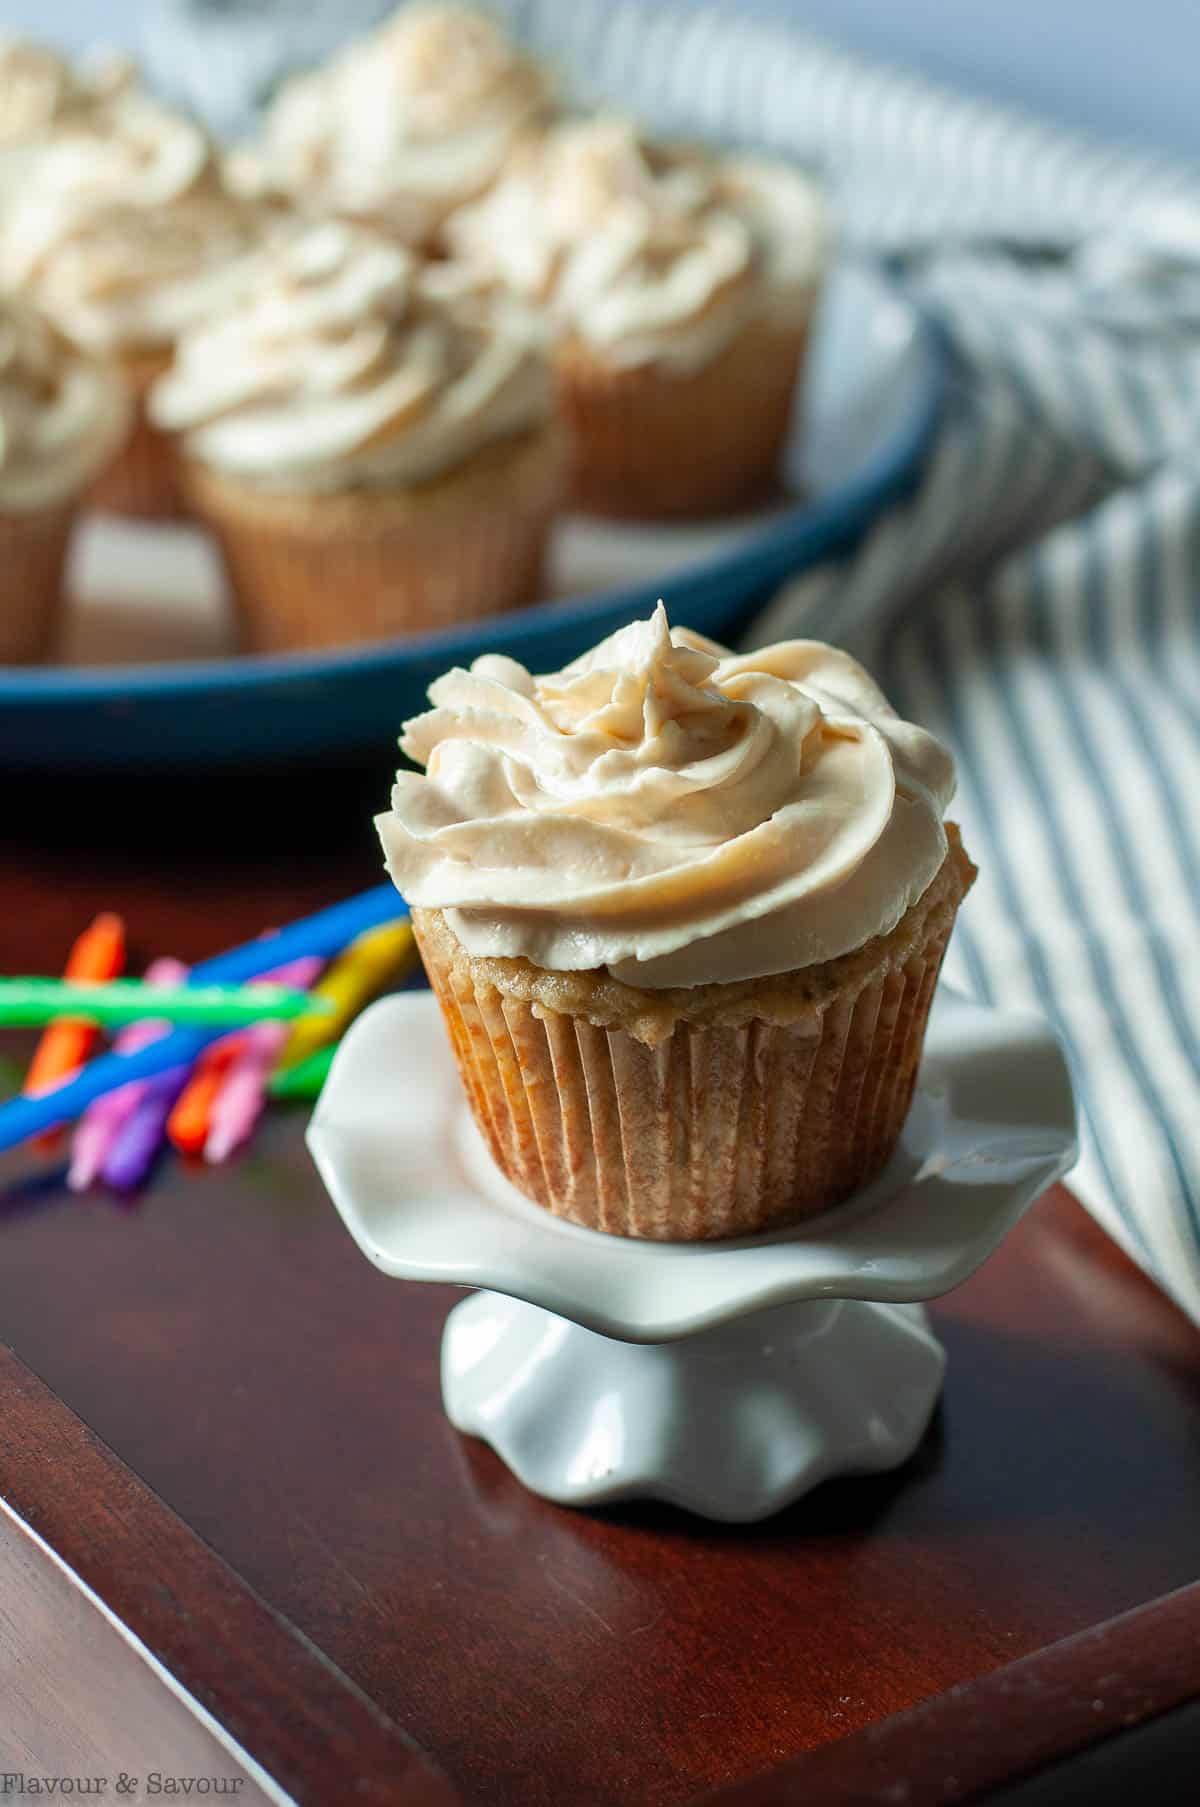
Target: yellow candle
{"x": 372, "y": 961}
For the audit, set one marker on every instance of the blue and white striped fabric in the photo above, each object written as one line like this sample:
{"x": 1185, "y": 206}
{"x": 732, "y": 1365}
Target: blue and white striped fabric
{"x": 1036, "y": 604}
{"x": 1036, "y": 601}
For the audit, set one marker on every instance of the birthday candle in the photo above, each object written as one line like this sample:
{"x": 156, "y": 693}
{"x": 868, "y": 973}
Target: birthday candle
{"x": 137, "y": 1142}
{"x": 190, "y": 1123}
{"x": 321, "y": 934}
{"x": 26, "y": 1001}
{"x": 97, "y": 1129}
{"x": 306, "y": 1077}
{"x": 240, "y": 1102}
{"x": 297, "y": 975}
{"x": 99, "y": 953}
{"x": 371, "y": 961}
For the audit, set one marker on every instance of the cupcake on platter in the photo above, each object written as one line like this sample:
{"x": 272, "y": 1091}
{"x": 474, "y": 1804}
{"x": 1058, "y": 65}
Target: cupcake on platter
{"x": 684, "y": 912}
{"x": 114, "y": 219}
{"x": 375, "y": 453}
{"x": 403, "y": 126}
{"x": 679, "y": 286}
{"x": 63, "y": 413}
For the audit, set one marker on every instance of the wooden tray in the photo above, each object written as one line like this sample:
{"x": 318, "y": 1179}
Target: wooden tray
{"x": 331, "y": 1594}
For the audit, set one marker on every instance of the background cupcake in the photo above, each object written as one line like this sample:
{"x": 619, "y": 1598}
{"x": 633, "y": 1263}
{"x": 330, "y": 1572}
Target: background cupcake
{"x": 684, "y": 913}
{"x": 402, "y": 126}
{"x": 39, "y": 88}
{"x": 372, "y": 457}
{"x": 114, "y": 219}
{"x": 63, "y": 413}
{"x": 679, "y": 287}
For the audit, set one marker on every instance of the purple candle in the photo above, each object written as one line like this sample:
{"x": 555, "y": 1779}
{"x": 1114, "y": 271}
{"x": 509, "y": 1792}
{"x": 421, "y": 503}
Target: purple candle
{"x": 131, "y": 1155}
{"x": 101, "y": 1123}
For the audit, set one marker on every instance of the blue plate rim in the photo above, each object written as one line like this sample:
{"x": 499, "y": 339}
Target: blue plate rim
{"x": 773, "y": 549}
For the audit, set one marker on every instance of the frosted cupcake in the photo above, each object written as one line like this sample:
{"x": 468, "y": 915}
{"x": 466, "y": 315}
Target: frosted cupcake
{"x": 115, "y": 221}
{"x": 403, "y": 126}
{"x": 680, "y": 288}
{"x": 39, "y": 88}
{"x": 62, "y": 415}
{"x": 373, "y": 458}
{"x": 684, "y": 912}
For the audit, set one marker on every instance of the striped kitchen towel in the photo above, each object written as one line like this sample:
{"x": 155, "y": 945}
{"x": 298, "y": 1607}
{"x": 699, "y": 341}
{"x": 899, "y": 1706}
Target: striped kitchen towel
{"x": 1035, "y": 603}
{"x": 1036, "y": 600}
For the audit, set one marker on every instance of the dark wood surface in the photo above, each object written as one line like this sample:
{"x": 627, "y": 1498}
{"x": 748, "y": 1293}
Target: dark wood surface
{"x": 78, "y": 1700}
{"x": 1021, "y": 1722}
{"x": 224, "y": 1337}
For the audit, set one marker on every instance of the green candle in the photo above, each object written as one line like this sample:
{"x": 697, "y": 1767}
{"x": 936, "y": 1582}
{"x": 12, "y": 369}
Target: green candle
{"x": 28, "y": 1003}
{"x": 304, "y": 1078}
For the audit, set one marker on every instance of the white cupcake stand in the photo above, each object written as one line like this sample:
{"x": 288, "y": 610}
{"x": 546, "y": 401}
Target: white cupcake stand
{"x": 728, "y": 1378}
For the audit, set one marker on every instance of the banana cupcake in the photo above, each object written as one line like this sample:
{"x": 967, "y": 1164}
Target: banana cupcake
{"x": 373, "y": 457}
{"x": 116, "y": 222}
{"x": 63, "y": 413}
{"x": 684, "y": 912}
{"x": 39, "y": 88}
{"x": 679, "y": 287}
{"x": 403, "y": 126}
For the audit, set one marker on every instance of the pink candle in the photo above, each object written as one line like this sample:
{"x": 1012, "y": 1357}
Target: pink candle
{"x": 242, "y": 1098}
{"x": 102, "y": 1122}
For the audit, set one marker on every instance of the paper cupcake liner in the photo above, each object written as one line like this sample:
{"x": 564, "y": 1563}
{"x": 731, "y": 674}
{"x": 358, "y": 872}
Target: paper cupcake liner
{"x": 142, "y": 480}
{"x": 655, "y": 442}
{"x": 33, "y": 552}
{"x": 326, "y": 570}
{"x": 715, "y": 1131}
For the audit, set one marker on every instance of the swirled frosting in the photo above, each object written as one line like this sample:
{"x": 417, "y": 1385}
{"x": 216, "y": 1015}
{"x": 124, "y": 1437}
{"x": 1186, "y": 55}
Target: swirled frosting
{"x": 115, "y": 221}
{"x": 342, "y": 370}
{"x": 38, "y": 87}
{"x": 668, "y": 810}
{"x": 646, "y": 252}
{"x": 62, "y": 412}
{"x": 404, "y": 125}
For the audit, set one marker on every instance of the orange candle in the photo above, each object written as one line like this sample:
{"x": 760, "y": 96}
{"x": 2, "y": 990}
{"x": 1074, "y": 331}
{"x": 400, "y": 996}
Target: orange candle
{"x": 190, "y": 1120}
{"x": 65, "y": 1044}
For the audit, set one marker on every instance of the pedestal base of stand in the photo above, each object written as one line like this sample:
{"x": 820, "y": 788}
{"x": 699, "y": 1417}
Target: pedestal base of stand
{"x": 753, "y": 1403}
{"x": 733, "y": 1423}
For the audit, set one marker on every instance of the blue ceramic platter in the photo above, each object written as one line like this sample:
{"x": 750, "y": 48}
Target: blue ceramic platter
{"x": 147, "y": 679}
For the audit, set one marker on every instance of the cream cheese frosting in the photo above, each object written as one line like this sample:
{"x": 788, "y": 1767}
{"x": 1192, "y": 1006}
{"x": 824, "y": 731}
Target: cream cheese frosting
{"x": 36, "y": 87}
{"x": 62, "y": 412}
{"x": 344, "y": 369}
{"x": 115, "y": 220}
{"x": 404, "y": 125}
{"x": 39, "y": 87}
{"x": 668, "y": 810}
{"x": 646, "y": 252}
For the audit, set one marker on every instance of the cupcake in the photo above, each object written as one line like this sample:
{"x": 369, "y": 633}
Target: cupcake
{"x": 373, "y": 457}
{"x": 62, "y": 415}
{"x": 115, "y": 221}
{"x": 684, "y": 912}
{"x": 402, "y": 127}
{"x": 679, "y": 287}
{"x": 39, "y": 88}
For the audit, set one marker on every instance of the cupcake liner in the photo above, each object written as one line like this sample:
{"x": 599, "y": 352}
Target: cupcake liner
{"x": 141, "y": 481}
{"x": 657, "y": 442}
{"x": 33, "y": 552}
{"x": 320, "y": 571}
{"x": 723, "y": 1127}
